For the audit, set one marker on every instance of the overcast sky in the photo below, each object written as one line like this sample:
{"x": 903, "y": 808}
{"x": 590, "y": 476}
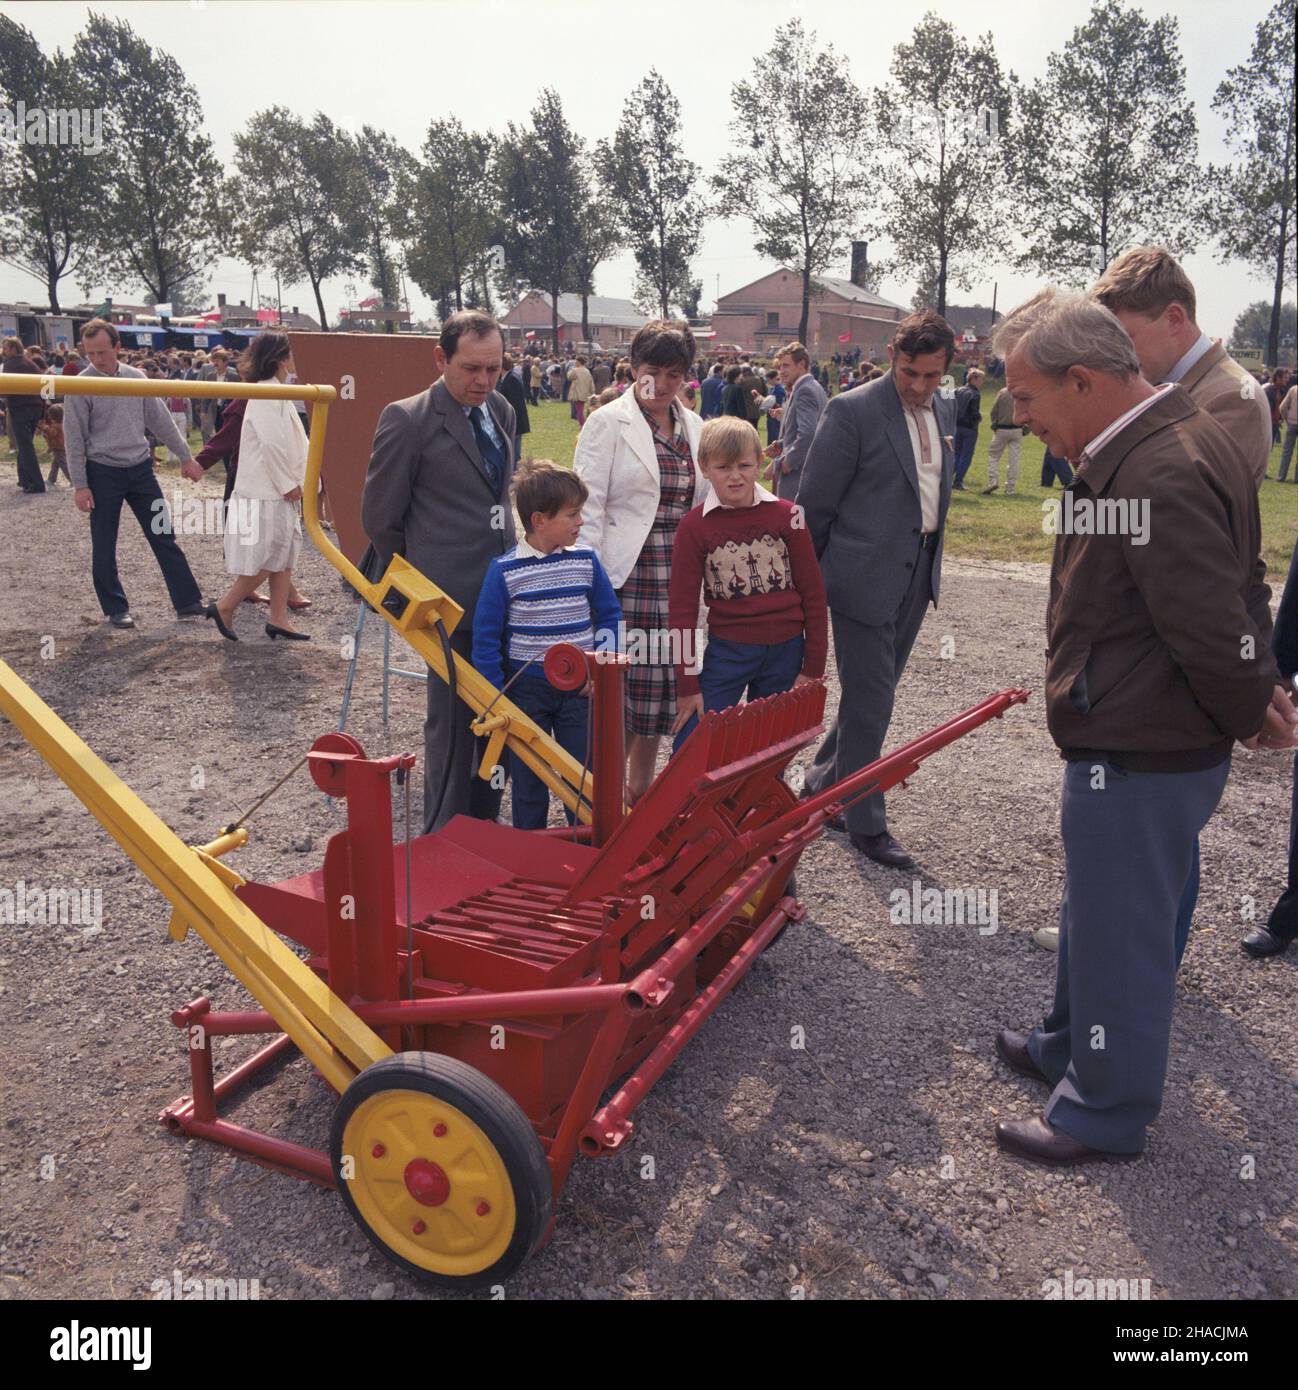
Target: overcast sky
{"x": 398, "y": 65}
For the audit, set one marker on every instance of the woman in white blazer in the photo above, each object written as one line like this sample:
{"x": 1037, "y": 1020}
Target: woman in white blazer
{"x": 263, "y": 522}
{"x": 636, "y": 456}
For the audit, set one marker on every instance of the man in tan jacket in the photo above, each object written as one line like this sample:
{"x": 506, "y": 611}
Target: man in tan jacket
{"x": 581, "y": 387}
{"x": 1153, "y": 299}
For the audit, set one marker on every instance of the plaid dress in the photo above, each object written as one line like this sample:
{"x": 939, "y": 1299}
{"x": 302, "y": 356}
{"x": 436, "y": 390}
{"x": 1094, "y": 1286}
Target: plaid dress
{"x": 651, "y": 686}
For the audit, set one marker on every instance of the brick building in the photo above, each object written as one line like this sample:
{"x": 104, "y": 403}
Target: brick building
{"x": 763, "y": 316}
{"x": 612, "y": 322}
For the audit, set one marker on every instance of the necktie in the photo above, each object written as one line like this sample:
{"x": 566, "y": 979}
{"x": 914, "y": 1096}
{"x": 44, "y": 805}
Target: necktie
{"x": 925, "y": 447}
{"x": 492, "y": 456}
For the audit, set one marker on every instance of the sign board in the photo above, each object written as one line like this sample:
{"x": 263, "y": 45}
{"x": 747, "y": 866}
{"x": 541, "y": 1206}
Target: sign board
{"x": 370, "y": 370}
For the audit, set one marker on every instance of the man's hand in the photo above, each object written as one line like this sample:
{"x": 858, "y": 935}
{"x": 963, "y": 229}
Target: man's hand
{"x": 685, "y": 707}
{"x": 85, "y": 499}
{"x": 801, "y": 679}
{"x": 294, "y": 496}
{"x": 776, "y": 412}
{"x": 1280, "y": 728}
{"x": 772, "y": 449}
{"x": 192, "y": 470}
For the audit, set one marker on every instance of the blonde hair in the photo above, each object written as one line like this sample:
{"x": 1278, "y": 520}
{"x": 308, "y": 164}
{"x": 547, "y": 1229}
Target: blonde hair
{"x": 728, "y": 439}
{"x": 1145, "y": 280}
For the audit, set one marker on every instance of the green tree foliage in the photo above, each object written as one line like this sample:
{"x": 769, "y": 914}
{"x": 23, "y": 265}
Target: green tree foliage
{"x": 381, "y": 164}
{"x": 448, "y": 215}
{"x": 1103, "y": 153}
{"x": 799, "y": 168}
{"x": 1253, "y": 329}
{"x": 48, "y": 191}
{"x": 542, "y": 192}
{"x": 939, "y": 121}
{"x": 158, "y": 222}
{"x": 1251, "y": 207}
{"x": 652, "y": 185}
{"x": 299, "y": 196}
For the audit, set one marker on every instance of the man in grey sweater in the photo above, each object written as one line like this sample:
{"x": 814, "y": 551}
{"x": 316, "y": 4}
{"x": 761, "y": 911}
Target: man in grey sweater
{"x": 110, "y": 462}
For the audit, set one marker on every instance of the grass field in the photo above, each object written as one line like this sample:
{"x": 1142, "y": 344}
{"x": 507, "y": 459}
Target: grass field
{"x": 988, "y": 528}
{"x": 995, "y": 527}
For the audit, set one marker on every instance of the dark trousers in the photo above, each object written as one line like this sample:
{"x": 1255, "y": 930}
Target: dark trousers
{"x": 731, "y": 668}
{"x": 29, "y": 468}
{"x": 1283, "y": 921}
{"x": 448, "y": 740}
{"x": 1053, "y": 467}
{"x": 566, "y": 716}
{"x": 1129, "y": 842}
{"x": 966, "y": 439}
{"x": 138, "y": 488}
{"x": 870, "y": 662}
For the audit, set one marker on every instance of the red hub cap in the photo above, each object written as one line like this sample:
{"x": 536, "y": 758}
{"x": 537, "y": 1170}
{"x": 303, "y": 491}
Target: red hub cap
{"x": 426, "y": 1182}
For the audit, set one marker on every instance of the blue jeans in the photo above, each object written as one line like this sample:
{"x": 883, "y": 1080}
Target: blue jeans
{"x": 565, "y": 716}
{"x": 1052, "y": 467}
{"x": 138, "y": 488}
{"x": 966, "y": 437}
{"x": 730, "y": 668}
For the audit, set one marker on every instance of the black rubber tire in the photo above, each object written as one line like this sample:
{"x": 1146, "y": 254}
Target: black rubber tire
{"x": 497, "y": 1114}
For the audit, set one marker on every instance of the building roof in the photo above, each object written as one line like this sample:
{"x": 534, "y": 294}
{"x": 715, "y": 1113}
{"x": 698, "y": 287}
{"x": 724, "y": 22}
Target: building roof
{"x": 854, "y": 292}
{"x": 618, "y": 313}
{"x": 844, "y": 289}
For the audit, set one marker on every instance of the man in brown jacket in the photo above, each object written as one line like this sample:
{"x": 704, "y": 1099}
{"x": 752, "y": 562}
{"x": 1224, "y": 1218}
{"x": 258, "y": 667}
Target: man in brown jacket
{"x": 1153, "y": 299}
{"x": 1158, "y": 660}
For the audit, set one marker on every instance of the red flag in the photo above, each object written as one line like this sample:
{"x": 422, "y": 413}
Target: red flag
{"x": 531, "y": 333}
{"x": 844, "y": 337}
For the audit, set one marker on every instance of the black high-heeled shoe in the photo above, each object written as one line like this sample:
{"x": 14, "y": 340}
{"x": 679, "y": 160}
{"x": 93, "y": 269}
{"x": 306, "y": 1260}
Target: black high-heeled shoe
{"x": 213, "y": 612}
{"x": 273, "y": 632}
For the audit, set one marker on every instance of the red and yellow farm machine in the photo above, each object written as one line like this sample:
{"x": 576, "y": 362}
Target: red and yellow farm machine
{"x": 486, "y": 1003}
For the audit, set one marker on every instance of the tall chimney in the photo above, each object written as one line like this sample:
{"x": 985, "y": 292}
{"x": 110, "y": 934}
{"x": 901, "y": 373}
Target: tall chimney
{"x": 860, "y": 262}
{"x": 220, "y": 301}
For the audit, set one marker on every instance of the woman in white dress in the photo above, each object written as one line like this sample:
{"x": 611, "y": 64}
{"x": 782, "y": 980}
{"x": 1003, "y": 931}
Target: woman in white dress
{"x": 263, "y": 524}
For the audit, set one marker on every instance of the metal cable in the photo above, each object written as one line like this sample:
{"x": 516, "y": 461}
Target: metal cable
{"x": 263, "y": 800}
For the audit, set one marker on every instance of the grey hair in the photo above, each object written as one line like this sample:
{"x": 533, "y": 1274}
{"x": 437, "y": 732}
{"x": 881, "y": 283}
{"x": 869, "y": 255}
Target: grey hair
{"x": 1056, "y": 330}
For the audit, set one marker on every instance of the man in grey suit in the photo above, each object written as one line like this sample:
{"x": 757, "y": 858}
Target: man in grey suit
{"x": 437, "y": 493}
{"x": 875, "y": 491}
{"x": 798, "y": 417}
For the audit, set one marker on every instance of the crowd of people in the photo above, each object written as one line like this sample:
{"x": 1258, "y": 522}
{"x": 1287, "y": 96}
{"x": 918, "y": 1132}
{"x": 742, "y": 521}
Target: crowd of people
{"x": 1160, "y": 644}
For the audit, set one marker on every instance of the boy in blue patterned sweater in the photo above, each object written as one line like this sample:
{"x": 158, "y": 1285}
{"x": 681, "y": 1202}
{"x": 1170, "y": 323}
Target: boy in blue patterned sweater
{"x": 547, "y": 589}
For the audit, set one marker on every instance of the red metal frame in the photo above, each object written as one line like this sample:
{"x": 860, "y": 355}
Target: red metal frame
{"x": 549, "y": 930}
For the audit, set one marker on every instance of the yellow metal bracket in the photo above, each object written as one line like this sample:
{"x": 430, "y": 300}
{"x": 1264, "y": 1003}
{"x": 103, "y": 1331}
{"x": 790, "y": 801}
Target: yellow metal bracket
{"x": 406, "y": 598}
{"x": 335, "y": 1040}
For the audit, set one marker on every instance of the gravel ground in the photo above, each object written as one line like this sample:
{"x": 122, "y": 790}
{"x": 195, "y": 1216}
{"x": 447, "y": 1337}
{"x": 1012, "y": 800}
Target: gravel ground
{"x": 860, "y": 1166}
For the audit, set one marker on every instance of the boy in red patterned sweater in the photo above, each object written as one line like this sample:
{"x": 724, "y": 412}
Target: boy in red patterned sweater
{"x": 751, "y": 554}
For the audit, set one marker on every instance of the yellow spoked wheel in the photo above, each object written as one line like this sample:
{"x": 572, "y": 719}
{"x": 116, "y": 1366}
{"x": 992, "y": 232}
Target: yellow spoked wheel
{"x": 441, "y": 1169}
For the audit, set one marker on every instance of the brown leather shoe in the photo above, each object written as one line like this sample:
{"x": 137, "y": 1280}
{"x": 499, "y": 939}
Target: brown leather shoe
{"x": 1012, "y": 1049}
{"x": 1036, "y": 1140}
{"x": 883, "y": 849}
